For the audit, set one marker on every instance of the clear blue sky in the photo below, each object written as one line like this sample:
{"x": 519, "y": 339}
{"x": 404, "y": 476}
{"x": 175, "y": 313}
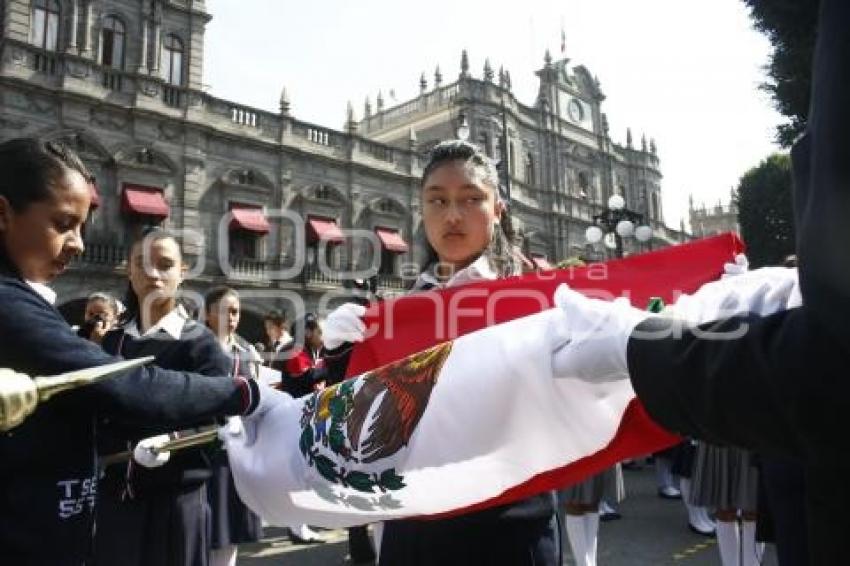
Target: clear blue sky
{"x": 686, "y": 72}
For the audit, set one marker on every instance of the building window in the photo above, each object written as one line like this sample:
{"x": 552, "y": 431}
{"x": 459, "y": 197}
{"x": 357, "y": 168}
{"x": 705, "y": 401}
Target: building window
{"x": 112, "y": 43}
{"x": 583, "y": 184}
{"x": 172, "y": 60}
{"x": 655, "y": 212}
{"x": 45, "y": 24}
{"x": 511, "y": 158}
{"x": 529, "y": 169}
{"x": 388, "y": 262}
{"x": 243, "y": 245}
{"x": 484, "y": 143}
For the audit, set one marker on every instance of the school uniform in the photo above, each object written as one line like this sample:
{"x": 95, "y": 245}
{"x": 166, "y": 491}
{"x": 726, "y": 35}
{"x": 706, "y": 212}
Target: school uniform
{"x": 522, "y": 533}
{"x": 48, "y": 465}
{"x": 232, "y": 522}
{"x": 159, "y": 516}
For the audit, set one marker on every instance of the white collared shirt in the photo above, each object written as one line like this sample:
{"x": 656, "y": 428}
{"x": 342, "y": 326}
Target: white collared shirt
{"x": 43, "y": 291}
{"x": 172, "y": 324}
{"x": 476, "y": 271}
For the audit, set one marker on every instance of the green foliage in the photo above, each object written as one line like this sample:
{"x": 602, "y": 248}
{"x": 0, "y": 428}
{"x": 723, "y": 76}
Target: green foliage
{"x": 765, "y": 211}
{"x": 790, "y": 25}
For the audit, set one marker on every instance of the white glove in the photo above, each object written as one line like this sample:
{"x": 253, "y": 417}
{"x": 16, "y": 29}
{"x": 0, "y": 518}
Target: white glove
{"x": 739, "y": 266}
{"x": 344, "y": 324}
{"x": 147, "y": 454}
{"x": 269, "y": 399}
{"x": 590, "y": 336}
{"x": 233, "y": 428}
{"x": 762, "y": 291}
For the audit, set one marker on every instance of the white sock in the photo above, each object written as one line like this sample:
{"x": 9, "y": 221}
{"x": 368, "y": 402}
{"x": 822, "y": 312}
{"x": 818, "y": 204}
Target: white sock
{"x": 693, "y": 515}
{"x": 662, "y": 472}
{"x": 705, "y": 520}
{"x": 577, "y": 535}
{"x": 591, "y": 531}
{"x": 751, "y": 551}
{"x": 225, "y": 556}
{"x": 728, "y": 542}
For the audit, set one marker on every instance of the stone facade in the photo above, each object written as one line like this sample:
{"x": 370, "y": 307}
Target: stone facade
{"x": 121, "y": 82}
{"x": 709, "y": 221}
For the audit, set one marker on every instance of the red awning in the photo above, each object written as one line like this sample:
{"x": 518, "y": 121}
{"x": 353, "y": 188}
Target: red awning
{"x": 147, "y": 201}
{"x": 94, "y": 195}
{"x": 391, "y": 240}
{"x": 250, "y": 218}
{"x": 324, "y": 229}
{"x": 541, "y": 262}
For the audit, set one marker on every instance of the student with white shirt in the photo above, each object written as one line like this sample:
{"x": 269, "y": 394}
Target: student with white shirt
{"x": 158, "y": 515}
{"x": 468, "y": 239}
{"x": 232, "y": 522}
{"x": 48, "y": 464}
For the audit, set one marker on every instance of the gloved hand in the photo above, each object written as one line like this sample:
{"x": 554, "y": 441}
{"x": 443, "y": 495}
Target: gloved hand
{"x": 740, "y": 265}
{"x": 590, "y": 336}
{"x": 146, "y": 452}
{"x": 344, "y": 324}
{"x": 251, "y": 423}
{"x": 233, "y": 428}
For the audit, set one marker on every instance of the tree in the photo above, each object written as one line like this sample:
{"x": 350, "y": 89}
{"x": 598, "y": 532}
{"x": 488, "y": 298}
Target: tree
{"x": 765, "y": 211}
{"x": 790, "y": 25}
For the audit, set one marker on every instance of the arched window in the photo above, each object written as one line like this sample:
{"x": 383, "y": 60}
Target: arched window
{"x": 45, "y": 24}
{"x": 172, "y": 60}
{"x": 112, "y": 43}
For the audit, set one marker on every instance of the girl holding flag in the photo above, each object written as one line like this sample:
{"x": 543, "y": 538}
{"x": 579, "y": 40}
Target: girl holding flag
{"x": 468, "y": 239}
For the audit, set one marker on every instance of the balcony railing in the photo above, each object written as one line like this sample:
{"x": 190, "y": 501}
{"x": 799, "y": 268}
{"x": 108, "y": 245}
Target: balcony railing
{"x": 313, "y": 275}
{"x": 109, "y": 255}
{"x": 172, "y": 96}
{"x": 112, "y": 80}
{"x": 46, "y": 62}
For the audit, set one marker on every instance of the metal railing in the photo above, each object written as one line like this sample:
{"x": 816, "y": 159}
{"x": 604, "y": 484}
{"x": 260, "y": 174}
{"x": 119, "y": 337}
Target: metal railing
{"x": 172, "y": 96}
{"x": 110, "y": 255}
{"x": 46, "y": 62}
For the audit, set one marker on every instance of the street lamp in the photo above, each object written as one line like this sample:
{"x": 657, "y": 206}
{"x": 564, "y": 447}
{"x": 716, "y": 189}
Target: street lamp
{"x": 615, "y": 223}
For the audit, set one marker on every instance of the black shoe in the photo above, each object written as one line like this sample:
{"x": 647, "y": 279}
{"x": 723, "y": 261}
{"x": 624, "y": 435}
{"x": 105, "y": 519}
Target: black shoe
{"x": 610, "y": 516}
{"x": 712, "y": 533}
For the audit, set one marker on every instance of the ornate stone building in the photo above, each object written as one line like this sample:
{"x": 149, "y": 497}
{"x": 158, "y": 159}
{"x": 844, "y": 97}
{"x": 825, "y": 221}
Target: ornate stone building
{"x": 708, "y": 221}
{"x": 121, "y": 82}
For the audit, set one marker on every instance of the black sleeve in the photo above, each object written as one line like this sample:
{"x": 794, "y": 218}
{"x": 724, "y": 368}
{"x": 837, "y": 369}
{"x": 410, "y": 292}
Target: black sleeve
{"x": 822, "y": 177}
{"x": 37, "y": 341}
{"x": 337, "y": 363}
{"x": 776, "y": 384}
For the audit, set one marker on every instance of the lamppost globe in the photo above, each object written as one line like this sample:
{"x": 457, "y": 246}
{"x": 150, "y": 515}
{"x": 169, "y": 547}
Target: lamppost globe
{"x": 643, "y": 233}
{"x": 625, "y": 228}
{"x": 593, "y": 234}
{"x": 616, "y": 202}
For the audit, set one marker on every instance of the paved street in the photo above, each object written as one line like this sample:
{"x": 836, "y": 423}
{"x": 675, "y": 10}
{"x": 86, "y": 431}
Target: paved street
{"x": 652, "y": 532}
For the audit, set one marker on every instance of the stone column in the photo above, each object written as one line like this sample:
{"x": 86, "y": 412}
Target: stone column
{"x": 87, "y": 38}
{"x": 143, "y": 58}
{"x": 75, "y": 24}
{"x": 157, "y": 32}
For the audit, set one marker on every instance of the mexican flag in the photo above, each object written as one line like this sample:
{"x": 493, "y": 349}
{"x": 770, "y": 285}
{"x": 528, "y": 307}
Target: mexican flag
{"x": 452, "y": 405}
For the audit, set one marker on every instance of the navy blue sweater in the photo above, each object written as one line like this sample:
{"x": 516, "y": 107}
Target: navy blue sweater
{"x": 48, "y": 465}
